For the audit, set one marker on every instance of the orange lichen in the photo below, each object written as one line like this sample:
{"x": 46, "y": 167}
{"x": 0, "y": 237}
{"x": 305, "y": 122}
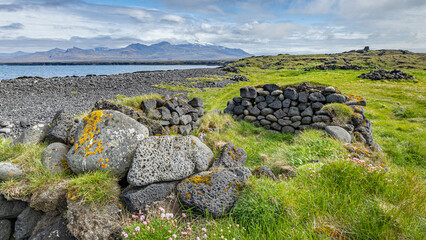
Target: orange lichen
{"x": 188, "y": 196}
{"x": 201, "y": 179}
{"x": 356, "y": 98}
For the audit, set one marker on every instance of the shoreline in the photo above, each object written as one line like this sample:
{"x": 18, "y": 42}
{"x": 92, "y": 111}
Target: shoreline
{"x": 36, "y": 100}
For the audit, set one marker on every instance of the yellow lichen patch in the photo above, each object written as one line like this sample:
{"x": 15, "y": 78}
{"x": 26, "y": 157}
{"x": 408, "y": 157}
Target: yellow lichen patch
{"x": 89, "y": 132}
{"x": 356, "y": 98}
{"x": 188, "y": 196}
{"x": 201, "y": 179}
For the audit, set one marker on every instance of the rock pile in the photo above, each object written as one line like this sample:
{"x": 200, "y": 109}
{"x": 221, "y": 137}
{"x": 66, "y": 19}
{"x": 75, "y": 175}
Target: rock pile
{"x": 334, "y": 67}
{"x": 175, "y": 114}
{"x": 386, "y": 75}
{"x": 294, "y": 108}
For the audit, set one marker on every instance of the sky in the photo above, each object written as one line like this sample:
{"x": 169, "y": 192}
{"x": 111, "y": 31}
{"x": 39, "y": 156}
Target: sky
{"x": 258, "y": 27}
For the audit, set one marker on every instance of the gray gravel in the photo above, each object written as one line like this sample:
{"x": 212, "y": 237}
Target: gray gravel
{"x": 37, "y": 100}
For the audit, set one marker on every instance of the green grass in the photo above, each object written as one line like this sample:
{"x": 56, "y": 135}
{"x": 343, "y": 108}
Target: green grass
{"x": 341, "y": 113}
{"x": 134, "y": 101}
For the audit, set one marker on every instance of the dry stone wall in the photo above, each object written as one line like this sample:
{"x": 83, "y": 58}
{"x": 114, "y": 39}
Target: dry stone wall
{"x": 295, "y": 108}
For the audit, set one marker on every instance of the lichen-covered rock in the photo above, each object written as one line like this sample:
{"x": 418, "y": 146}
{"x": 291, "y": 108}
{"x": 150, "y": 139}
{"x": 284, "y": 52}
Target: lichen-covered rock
{"x": 11, "y": 209}
{"x": 107, "y": 141}
{"x": 264, "y": 171}
{"x": 137, "y": 198}
{"x": 54, "y": 157}
{"x": 215, "y": 191}
{"x": 9, "y": 170}
{"x": 5, "y": 229}
{"x": 338, "y": 133}
{"x": 93, "y": 222}
{"x": 168, "y": 158}
{"x": 26, "y": 223}
{"x": 230, "y": 156}
{"x": 60, "y": 127}
{"x": 50, "y": 197}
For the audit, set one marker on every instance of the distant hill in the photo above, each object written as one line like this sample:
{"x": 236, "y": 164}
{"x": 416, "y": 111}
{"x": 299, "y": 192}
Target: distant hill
{"x": 356, "y": 59}
{"x": 133, "y": 52}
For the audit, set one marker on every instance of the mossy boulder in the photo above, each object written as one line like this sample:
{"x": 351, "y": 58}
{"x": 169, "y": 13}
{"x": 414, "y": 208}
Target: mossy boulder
{"x": 107, "y": 141}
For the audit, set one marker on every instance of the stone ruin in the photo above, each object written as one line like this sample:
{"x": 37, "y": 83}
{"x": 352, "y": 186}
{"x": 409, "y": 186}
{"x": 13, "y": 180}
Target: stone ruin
{"x": 292, "y": 109}
{"x": 386, "y": 75}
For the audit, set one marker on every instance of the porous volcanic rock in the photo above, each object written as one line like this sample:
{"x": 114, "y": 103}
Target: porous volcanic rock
{"x": 106, "y": 140}
{"x": 214, "y": 191}
{"x": 168, "y": 158}
{"x": 230, "y": 156}
{"x": 137, "y": 198}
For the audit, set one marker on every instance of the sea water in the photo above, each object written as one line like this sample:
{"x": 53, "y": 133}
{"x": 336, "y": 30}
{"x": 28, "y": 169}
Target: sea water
{"x": 47, "y": 71}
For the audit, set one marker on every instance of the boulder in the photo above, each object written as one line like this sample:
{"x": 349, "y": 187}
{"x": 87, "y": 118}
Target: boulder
{"x": 54, "y": 157}
{"x": 293, "y": 111}
{"x": 154, "y": 127}
{"x": 291, "y": 93}
{"x": 335, "y": 98}
{"x": 287, "y": 129}
{"x": 271, "y": 118}
{"x": 248, "y": 92}
{"x": 33, "y": 135}
{"x": 283, "y": 122}
{"x": 137, "y": 198}
{"x": 196, "y": 102}
{"x": 308, "y": 112}
{"x": 316, "y": 97}
{"x": 107, "y": 141}
{"x": 26, "y": 223}
{"x": 280, "y": 113}
{"x": 303, "y": 97}
{"x": 339, "y": 133}
{"x": 51, "y": 197}
{"x": 230, "y": 156}
{"x": 286, "y": 103}
{"x": 93, "y": 222}
{"x": 148, "y": 105}
{"x": 276, "y": 93}
{"x": 11, "y": 209}
{"x": 214, "y": 192}
{"x": 275, "y": 104}
{"x": 5, "y": 229}
{"x": 9, "y": 170}
{"x": 270, "y": 87}
{"x": 254, "y": 111}
{"x": 168, "y": 158}
{"x": 52, "y": 228}
{"x": 60, "y": 127}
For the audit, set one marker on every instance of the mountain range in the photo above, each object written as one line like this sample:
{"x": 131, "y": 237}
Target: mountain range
{"x": 133, "y": 52}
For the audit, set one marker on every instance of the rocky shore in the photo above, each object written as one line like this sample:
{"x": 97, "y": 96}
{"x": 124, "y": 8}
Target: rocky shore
{"x": 28, "y": 101}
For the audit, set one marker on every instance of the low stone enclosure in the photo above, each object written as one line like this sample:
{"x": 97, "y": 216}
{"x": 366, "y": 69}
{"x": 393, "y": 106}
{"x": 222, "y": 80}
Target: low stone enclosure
{"x": 157, "y": 166}
{"x": 292, "y": 109}
{"x": 386, "y": 75}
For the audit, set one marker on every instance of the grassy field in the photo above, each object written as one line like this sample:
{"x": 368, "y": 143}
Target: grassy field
{"x": 333, "y": 198}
